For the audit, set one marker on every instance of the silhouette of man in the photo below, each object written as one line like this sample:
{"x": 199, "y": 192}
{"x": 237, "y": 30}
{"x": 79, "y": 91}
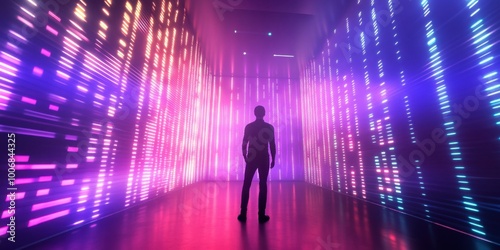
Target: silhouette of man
{"x": 258, "y": 135}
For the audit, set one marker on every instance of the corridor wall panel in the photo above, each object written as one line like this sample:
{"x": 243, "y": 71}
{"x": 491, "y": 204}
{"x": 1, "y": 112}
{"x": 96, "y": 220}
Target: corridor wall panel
{"x": 401, "y": 108}
{"x": 101, "y": 107}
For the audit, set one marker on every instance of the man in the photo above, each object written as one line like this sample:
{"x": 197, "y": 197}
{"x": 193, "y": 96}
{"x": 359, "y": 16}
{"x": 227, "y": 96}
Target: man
{"x": 258, "y": 135}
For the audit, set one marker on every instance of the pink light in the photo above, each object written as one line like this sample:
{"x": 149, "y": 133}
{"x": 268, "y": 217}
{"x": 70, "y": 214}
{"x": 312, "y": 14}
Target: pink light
{"x": 44, "y": 178}
{"x": 48, "y": 204}
{"x": 83, "y": 89}
{"x": 70, "y": 137}
{"x": 54, "y": 16}
{"x": 56, "y": 98}
{"x": 25, "y": 21}
{"x": 72, "y": 149}
{"x": 54, "y": 107}
{"x": 19, "y": 195}
{"x": 10, "y": 58}
{"x": 24, "y": 181}
{"x": 5, "y": 214}
{"x": 67, "y": 182}
{"x": 78, "y": 222}
{"x": 90, "y": 158}
{"x": 45, "y": 52}
{"x": 51, "y": 30}
{"x": 9, "y": 70}
{"x": 22, "y": 158}
{"x": 69, "y": 166}
{"x": 3, "y": 230}
{"x": 42, "y": 192}
{"x": 36, "y": 221}
{"x": 18, "y": 36}
{"x": 62, "y": 75}
{"x": 35, "y": 166}
{"x": 28, "y": 100}
{"x": 37, "y": 71}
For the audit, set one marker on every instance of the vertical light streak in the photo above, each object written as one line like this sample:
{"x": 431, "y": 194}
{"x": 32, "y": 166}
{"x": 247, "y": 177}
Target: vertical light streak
{"x": 484, "y": 47}
{"x": 454, "y": 146}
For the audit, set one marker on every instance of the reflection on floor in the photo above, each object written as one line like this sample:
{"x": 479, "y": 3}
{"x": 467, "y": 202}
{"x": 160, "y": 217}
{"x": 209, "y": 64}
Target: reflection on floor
{"x": 303, "y": 216}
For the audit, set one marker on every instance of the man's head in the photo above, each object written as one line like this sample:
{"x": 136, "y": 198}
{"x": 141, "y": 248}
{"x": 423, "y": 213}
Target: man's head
{"x": 259, "y": 112}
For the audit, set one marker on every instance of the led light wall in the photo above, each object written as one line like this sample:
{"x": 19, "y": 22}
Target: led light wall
{"x": 401, "y": 108}
{"x": 232, "y": 105}
{"x": 104, "y": 104}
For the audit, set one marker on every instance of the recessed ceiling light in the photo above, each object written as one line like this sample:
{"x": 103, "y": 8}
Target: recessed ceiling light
{"x": 235, "y": 31}
{"x": 269, "y": 34}
{"x": 244, "y": 53}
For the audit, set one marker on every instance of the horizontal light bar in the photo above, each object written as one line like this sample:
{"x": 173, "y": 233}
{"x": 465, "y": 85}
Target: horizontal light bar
{"x": 279, "y": 55}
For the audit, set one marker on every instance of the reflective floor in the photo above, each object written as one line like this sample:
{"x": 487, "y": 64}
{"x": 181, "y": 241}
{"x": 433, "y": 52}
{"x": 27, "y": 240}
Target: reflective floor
{"x": 303, "y": 216}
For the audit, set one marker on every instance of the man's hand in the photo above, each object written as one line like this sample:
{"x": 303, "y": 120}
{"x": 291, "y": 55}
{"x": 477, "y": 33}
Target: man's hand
{"x": 272, "y": 164}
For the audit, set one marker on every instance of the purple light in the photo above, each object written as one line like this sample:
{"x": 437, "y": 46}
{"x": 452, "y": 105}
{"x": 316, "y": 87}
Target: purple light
{"x": 37, "y": 71}
{"x": 28, "y": 100}
{"x": 35, "y": 166}
{"x": 67, "y": 182}
{"x": 45, "y": 52}
{"x": 48, "y": 204}
{"x": 42, "y": 192}
{"x": 19, "y": 195}
{"x": 53, "y": 107}
{"x": 42, "y": 219}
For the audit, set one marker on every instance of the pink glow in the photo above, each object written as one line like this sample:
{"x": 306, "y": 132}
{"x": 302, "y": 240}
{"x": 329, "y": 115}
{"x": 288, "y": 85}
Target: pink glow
{"x": 24, "y": 181}
{"x": 62, "y": 75}
{"x": 5, "y": 214}
{"x": 48, "y": 204}
{"x": 51, "y": 30}
{"x": 70, "y": 137}
{"x": 54, "y": 16}
{"x": 45, "y": 52}
{"x": 26, "y": 22}
{"x": 22, "y": 158}
{"x": 78, "y": 222}
{"x": 42, "y": 192}
{"x": 37, "y": 71}
{"x": 83, "y": 89}
{"x": 36, "y": 221}
{"x": 35, "y": 166}
{"x": 69, "y": 166}
{"x": 67, "y": 182}
{"x": 72, "y": 149}
{"x": 19, "y": 195}
{"x": 44, "y": 178}
{"x": 3, "y": 230}
{"x": 28, "y": 100}
{"x": 54, "y": 107}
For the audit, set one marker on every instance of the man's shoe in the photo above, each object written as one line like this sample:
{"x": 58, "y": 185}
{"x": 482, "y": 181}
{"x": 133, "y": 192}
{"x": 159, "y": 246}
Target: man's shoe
{"x": 242, "y": 217}
{"x": 264, "y": 218}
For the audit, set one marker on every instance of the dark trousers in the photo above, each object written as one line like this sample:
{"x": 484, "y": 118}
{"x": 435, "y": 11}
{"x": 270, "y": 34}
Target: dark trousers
{"x": 245, "y": 193}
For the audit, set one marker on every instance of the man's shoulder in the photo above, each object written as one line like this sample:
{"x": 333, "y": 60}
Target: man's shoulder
{"x": 269, "y": 125}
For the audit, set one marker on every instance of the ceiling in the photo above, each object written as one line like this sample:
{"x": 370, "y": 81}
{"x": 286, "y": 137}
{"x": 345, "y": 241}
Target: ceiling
{"x": 229, "y": 28}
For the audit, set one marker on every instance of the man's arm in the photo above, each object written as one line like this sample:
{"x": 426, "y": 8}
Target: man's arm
{"x": 245, "y": 143}
{"x": 272, "y": 146}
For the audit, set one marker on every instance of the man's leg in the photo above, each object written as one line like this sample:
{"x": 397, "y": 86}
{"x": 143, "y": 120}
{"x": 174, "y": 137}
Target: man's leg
{"x": 245, "y": 192}
{"x": 263, "y": 173}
